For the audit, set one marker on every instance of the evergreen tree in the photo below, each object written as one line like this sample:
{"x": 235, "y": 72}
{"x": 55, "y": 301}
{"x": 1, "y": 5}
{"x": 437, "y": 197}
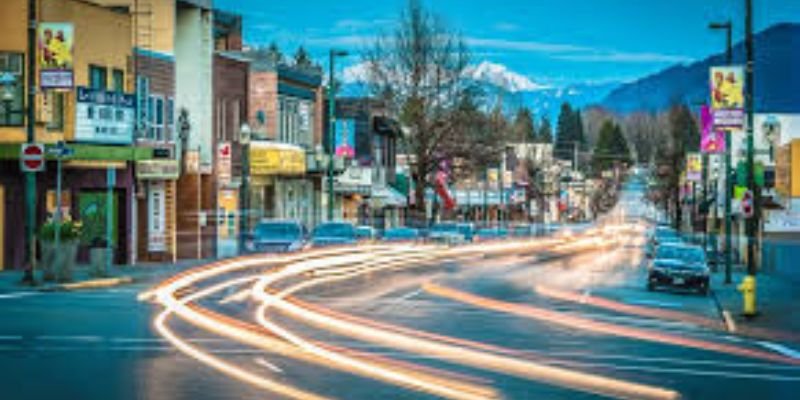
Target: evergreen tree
{"x": 580, "y": 136}
{"x": 523, "y": 129}
{"x": 566, "y": 133}
{"x": 611, "y": 148}
{"x": 545, "y": 132}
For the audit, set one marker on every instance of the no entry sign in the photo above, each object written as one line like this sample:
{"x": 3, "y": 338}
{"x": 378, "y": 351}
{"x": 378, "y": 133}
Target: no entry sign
{"x": 32, "y": 157}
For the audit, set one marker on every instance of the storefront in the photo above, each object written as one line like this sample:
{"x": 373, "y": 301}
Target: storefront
{"x": 155, "y": 205}
{"x": 279, "y": 185}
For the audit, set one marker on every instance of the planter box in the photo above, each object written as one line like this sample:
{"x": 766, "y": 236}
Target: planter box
{"x": 58, "y": 263}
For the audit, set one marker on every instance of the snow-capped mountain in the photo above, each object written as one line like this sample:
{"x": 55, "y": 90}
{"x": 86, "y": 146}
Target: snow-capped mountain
{"x": 500, "y": 76}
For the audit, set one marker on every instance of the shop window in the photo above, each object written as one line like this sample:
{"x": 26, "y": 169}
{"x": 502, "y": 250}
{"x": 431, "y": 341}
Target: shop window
{"x": 142, "y": 96}
{"x": 156, "y": 105}
{"x": 98, "y": 77}
{"x": 11, "y": 89}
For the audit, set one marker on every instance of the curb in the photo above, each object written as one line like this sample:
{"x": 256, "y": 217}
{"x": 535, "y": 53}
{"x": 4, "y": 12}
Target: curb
{"x": 90, "y": 284}
{"x": 724, "y": 314}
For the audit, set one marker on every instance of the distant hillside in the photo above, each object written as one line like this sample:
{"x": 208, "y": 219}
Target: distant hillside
{"x": 777, "y": 77}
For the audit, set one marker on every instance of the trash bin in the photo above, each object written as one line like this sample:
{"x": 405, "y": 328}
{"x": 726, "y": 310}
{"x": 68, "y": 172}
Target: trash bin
{"x": 98, "y": 255}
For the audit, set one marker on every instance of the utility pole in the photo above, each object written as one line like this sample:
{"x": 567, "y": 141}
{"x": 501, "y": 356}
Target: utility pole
{"x": 30, "y": 176}
{"x": 728, "y": 27}
{"x": 332, "y": 124}
{"x": 752, "y": 223}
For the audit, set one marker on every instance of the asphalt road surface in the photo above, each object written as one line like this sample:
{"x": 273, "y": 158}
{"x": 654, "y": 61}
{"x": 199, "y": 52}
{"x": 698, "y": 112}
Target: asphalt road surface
{"x": 545, "y": 318}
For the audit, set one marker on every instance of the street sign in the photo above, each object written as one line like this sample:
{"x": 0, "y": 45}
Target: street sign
{"x": 224, "y": 163}
{"x": 32, "y": 157}
{"x": 747, "y": 204}
{"x": 61, "y": 150}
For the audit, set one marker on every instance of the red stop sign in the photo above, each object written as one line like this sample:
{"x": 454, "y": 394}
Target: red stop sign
{"x": 32, "y": 157}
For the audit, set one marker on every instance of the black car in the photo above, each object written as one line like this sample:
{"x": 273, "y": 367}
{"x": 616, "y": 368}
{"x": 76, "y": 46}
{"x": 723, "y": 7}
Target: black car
{"x": 276, "y": 237}
{"x": 679, "y": 265}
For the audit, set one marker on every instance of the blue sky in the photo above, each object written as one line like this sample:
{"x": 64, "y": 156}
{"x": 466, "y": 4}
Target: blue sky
{"x": 553, "y": 42}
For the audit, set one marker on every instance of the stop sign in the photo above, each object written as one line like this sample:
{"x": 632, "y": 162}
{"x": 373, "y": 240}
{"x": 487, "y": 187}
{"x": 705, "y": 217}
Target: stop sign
{"x": 32, "y": 157}
{"x": 747, "y": 204}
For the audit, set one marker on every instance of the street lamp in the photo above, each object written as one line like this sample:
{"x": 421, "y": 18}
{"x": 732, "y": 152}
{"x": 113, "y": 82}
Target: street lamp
{"x": 244, "y": 193}
{"x": 728, "y": 28}
{"x": 332, "y": 124}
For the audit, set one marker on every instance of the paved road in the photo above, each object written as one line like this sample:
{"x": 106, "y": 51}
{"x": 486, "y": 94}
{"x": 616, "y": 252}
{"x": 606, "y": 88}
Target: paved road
{"x": 482, "y": 323}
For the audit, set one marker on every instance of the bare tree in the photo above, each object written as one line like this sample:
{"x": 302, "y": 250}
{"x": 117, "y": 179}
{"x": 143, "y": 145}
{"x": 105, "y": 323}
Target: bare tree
{"x": 418, "y": 70}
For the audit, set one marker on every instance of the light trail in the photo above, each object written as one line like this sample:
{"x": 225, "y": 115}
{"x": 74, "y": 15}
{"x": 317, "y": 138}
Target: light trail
{"x": 564, "y": 319}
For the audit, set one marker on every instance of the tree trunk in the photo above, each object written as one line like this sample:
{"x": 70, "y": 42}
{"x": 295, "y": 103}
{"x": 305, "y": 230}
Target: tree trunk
{"x": 418, "y": 212}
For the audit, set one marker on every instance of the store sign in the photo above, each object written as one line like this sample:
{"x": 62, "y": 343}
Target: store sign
{"x": 157, "y": 170}
{"x": 224, "y": 151}
{"x": 55, "y": 47}
{"x": 268, "y": 158}
{"x": 104, "y": 117}
{"x": 156, "y": 220}
{"x": 727, "y": 97}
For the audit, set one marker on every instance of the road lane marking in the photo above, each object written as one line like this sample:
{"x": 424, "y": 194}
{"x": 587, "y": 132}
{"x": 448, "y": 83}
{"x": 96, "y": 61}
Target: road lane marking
{"x": 656, "y": 303}
{"x": 73, "y": 338}
{"x": 264, "y": 363}
{"x": 781, "y": 349}
{"x": 730, "y": 324}
{"x": 10, "y": 337}
{"x": 17, "y": 295}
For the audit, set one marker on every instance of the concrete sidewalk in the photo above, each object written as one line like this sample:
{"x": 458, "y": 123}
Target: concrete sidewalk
{"x": 777, "y": 303}
{"x": 11, "y": 281}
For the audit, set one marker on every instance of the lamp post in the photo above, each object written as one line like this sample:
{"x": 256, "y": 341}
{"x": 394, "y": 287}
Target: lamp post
{"x": 30, "y": 176}
{"x": 332, "y": 124}
{"x": 244, "y": 190}
{"x": 749, "y": 99}
{"x": 728, "y": 28}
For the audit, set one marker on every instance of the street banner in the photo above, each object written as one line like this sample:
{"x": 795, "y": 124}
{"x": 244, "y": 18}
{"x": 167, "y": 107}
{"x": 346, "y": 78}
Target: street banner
{"x": 727, "y": 97}
{"x": 55, "y": 42}
{"x": 694, "y": 167}
{"x": 712, "y": 140}
{"x": 346, "y": 138}
{"x": 224, "y": 163}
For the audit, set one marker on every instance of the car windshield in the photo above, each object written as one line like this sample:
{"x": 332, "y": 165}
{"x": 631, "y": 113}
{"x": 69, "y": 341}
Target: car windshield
{"x": 688, "y": 254}
{"x": 271, "y": 230}
{"x": 445, "y": 228}
{"x": 400, "y": 233}
{"x": 335, "y": 230}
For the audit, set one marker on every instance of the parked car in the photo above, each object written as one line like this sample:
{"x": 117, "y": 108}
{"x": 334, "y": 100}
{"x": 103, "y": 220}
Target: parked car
{"x": 333, "y": 233}
{"x": 679, "y": 265}
{"x": 276, "y": 237}
{"x": 661, "y": 234}
{"x": 491, "y": 234}
{"x": 401, "y": 234}
{"x": 446, "y": 232}
{"x": 523, "y": 230}
{"x": 467, "y": 230}
{"x": 366, "y": 233}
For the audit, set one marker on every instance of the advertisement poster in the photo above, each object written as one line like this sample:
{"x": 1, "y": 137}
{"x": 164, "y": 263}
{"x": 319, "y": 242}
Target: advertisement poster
{"x": 727, "y": 97}
{"x": 55, "y": 44}
{"x": 694, "y": 167}
{"x": 712, "y": 140}
{"x": 346, "y": 138}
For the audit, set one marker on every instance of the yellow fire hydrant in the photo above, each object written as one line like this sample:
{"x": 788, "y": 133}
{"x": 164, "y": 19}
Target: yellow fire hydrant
{"x": 748, "y": 289}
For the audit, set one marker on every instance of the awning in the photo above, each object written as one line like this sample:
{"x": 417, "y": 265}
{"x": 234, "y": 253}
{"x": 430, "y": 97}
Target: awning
{"x": 385, "y": 196}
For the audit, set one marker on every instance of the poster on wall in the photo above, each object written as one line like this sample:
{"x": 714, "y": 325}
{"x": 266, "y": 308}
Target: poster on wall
{"x": 727, "y": 97}
{"x": 104, "y": 117}
{"x": 156, "y": 220}
{"x": 712, "y": 140}
{"x": 346, "y": 138}
{"x": 694, "y": 167}
{"x": 55, "y": 42}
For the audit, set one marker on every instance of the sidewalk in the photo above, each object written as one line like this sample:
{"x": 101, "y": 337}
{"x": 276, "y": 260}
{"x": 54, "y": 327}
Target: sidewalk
{"x": 11, "y": 281}
{"x": 777, "y": 303}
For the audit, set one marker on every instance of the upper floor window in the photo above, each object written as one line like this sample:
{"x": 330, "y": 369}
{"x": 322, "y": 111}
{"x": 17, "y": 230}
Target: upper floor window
{"x": 11, "y": 89}
{"x": 118, "y": 80}
{"x": 98, "y": 78}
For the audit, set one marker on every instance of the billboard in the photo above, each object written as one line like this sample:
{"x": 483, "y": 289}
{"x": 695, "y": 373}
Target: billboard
{"x": 694, "y": 167}
{"x": 727, "y": 97}
{"x": 346, "y": 138}
{"x": 712, "y": 140}
{"x": 103, "y": 116}
{"x": 55, "y": 42}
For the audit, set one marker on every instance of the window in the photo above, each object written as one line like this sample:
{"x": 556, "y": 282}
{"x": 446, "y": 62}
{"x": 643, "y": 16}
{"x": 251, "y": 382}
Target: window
{"x": 236, "y": 122}
{"x": 170, "y": 117}
{"x": 142, "y": 96}
{"x": 55, "y": 105}
{"x": 118, "y": 80}
{"x": 156, "y": 110}
{"x": 11, "y": 89}
{"x": 97, "y": 77}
